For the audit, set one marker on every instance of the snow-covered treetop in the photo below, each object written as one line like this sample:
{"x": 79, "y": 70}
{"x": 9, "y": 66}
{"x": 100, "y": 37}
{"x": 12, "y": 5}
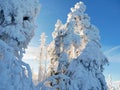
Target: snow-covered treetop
{"x": 77, "y": 10}
{"x": 59, "y": 29}
{"x": 17, "y": 22}
{"x": 43, "y": 38}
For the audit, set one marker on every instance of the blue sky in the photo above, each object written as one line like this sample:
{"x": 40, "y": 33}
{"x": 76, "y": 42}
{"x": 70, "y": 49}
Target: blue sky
{"x": 105, "y": 14}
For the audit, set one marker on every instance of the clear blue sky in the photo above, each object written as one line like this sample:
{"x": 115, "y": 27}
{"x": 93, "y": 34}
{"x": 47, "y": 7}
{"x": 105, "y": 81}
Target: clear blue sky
{"x": 105, "y": 14}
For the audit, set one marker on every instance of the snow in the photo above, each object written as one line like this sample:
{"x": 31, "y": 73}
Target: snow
{"x": 77, "y": 61}
{"x": 113, "y": 85}
{"x": 17, "y": 25}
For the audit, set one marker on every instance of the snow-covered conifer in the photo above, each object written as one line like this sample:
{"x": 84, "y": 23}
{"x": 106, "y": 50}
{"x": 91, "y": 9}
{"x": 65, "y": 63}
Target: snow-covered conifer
{"x": 17, "y": 25}
{"x": 119, "y": 87}
{"x": 62, "y": 49}
{"x": 56, "y": 48}
{"x": 86, "y": 70}
{"x": 110, "y": 83}
{"x": 42, "y": 73}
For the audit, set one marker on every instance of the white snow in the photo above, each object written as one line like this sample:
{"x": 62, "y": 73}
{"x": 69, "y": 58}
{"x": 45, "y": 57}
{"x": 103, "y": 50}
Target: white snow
{"x": 17, "y": 25}
{"x": 77, "y": 62}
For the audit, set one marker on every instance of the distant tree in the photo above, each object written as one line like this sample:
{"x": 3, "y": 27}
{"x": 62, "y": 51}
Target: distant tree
{"x": 17, "y": 27}
{"x": 42, "y": 73}
{"x": 119, "y": 87}
{"x": 110, "y": 83}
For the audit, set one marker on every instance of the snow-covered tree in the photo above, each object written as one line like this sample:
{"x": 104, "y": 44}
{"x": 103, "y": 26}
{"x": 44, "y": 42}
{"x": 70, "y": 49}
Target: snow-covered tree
{"x": 56, "y": 47}
{"x": 61, "y": 50}
{"x": 63, "y": 47}
{"x": 17, "y": 25}
{"x": 110, "y": 83}
{"x": 86, "y": 70}
{"x": 119, "y": 87}
{"x": 43, "y": 60}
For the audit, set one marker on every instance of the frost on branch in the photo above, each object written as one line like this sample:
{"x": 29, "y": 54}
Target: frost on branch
{"x": 17, "y": 25}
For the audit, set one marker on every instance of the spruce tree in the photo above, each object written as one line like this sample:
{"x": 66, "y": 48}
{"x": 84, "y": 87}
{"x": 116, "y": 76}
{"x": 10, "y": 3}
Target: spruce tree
{"x": 61, "y": 52}
{"x": 86, "y": 70}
